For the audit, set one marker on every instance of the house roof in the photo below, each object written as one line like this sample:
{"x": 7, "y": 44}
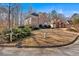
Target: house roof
{"x": 32, "y": 14}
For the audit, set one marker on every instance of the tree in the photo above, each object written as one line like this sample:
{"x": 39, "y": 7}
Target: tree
{"x": 15, "y": 14}
{"x": 9, "y": 13}
{"x": 3, "y": 16}
{"x": 62, "y": 17}
{"x": 75, "y": 20}
{"x": 14, "y": 11}
{"x": 54, "y": 14}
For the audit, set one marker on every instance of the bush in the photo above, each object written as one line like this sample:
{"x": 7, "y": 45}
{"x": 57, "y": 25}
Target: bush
{"x": 21, "y": 27}
{"x": 44, "y": 26}
{"x": 35, "y": 28}
{"x": 26, "y": 31}
{"x": 6, "y": 31}
{"x": 17, "y": 33}
{"x": 40, "y": 25}
{"x": 16, "y": 30}
{"x": 75, "y": 21}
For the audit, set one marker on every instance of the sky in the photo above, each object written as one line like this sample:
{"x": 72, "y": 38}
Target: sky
{"x": 65, "y": 8}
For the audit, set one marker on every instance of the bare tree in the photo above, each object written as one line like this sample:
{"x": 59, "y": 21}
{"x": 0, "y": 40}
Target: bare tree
{"x": 3, "y": 16}
{"x": 9, "y": 16}
{"x": 13, "y": 17}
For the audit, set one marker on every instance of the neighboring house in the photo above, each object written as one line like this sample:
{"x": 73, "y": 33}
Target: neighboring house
{"x": 34, "y": 20}
{"x": 57, "y": 23}
{"x": 69, "y": 23}
{"x": 43, "y": 19}
{"x": 52, "y": 23}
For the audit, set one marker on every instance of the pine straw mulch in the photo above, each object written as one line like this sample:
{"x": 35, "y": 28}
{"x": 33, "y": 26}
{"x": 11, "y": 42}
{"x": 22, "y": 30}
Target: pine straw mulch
{"x": 54, "y": 37}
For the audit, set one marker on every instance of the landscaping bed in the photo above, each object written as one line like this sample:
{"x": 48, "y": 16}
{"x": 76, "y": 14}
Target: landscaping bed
{"x": 54, "y": 37}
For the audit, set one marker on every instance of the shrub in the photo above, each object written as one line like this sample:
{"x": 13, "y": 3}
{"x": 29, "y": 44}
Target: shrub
{"x": 75, "y": 21}
{"x": 40, "y": 26}
{"x": 6, "y": 31}
{"x": 75, "y": 18}
{"x": 17, "y": 33}
{"x": 35, "y": 28}
{"x": 16, "y": 30}
{"x": 26, "y": 31}
{"x": 21, "y": 26}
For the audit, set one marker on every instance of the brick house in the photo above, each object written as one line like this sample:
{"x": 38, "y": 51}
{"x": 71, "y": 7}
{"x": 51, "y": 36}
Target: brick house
{"x": 43, "y": 19}
{"x": 57, "y": 23}
{"x": 34, "y": 20}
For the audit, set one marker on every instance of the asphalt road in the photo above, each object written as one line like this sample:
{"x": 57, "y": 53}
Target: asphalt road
{"x": 71, "y": 50}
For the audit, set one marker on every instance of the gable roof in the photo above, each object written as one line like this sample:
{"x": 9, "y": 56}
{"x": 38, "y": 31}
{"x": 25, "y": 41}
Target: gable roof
{"x": 32, "y": 14}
